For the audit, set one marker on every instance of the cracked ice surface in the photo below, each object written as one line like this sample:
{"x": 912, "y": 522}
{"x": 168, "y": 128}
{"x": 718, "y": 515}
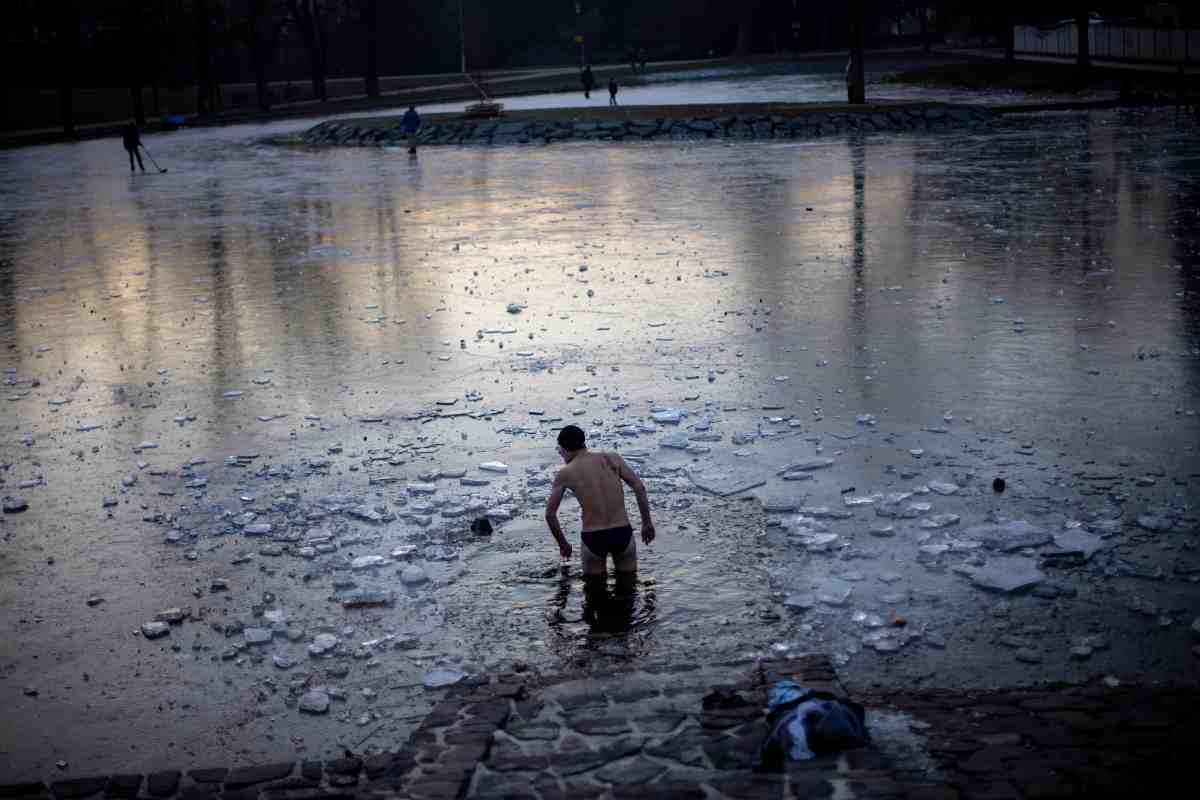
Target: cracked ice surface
{"x": 862, "y": 268}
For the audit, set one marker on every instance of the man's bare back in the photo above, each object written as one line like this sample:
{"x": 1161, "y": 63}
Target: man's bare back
{"x": 596, "y": 479}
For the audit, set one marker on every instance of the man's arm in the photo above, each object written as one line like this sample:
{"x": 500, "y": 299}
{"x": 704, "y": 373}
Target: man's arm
{"x": 556, "y": 496}
{"x": 639, "y": 491}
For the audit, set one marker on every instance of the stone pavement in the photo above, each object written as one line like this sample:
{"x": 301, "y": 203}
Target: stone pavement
{"x": 670, "y": 732}
{"x": 694, "y": 732}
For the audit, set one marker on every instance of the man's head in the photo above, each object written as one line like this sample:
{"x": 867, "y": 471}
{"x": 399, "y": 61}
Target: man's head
{"x": 412, "y": 108}
{"x": 570, "y": 441}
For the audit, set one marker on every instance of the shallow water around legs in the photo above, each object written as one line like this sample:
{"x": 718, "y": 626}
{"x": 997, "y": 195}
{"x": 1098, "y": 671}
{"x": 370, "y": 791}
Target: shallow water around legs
{"x": 267, "y": 387}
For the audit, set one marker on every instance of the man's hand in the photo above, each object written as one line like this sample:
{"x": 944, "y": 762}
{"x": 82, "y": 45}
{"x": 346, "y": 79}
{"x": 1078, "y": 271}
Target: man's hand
{"x": 564, "y": 548}
{"x": 647, "y": 532}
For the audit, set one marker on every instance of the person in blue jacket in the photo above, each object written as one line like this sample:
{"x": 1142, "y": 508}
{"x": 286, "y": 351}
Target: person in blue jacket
{"x": 411, "y": 124}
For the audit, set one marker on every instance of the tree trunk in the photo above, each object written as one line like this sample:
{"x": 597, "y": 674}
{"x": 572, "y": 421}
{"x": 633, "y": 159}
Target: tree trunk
{"x": 855, "y": 76}
{"x": 68, "y": 62}
{"x": 258, "y": 53}
{"x": 134, "y": 36}
{"x": 204, "y": 84}
{"x": 1083, "y": 58}
{"x": 307, "y": 14}
{"x": 926, "y": 39}
{"x": 371, "y": 22}
{"x": 1010, "y": 39}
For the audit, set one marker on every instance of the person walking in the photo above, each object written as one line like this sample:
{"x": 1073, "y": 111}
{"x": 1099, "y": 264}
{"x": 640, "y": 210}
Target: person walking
{"x": 589, "y": 81}
{"x": 410, "y": 124}
{"x": 132, "y": 140}
{"x": 612, "y": 91}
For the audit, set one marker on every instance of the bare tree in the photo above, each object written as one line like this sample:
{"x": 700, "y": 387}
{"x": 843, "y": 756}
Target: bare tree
{"x": 204, "y": 81}
{"x": 369, "y": 14}
{"x": 1010, "y": 38}
{"x": 265, "y": 20}
{"x": 1082, "y": 55}
{"x": 134, "y": 29}
{"x": 67, "y": 37}
{"x": 855, "y": 74}
{"x": 309, "y": 16}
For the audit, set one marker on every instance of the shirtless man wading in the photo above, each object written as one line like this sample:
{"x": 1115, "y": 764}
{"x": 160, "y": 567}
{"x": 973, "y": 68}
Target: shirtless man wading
{"x": 595, "y": 480}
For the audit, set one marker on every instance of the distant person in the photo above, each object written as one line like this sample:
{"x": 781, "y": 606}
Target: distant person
{"x": 132, "y": 140}
{"x": 589, "y": 81}
{"x": 632, "y": 55}
{"x": 612, "y": 91}
{"x": 642, "y": 59}
{"x": 410, "y": 124}
{"x": 595, "y": 478}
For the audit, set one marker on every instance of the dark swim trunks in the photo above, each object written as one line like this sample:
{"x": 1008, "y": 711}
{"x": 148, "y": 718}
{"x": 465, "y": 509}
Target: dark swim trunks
{"x": 609, "y": 540}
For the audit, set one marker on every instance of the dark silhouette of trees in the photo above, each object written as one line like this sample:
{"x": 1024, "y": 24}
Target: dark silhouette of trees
{"x": 259, "y": 27}
{"x": 133, "y": 29}
{"x": 1083, "y": 57}
{"x": 204, "y": 78}
{"x": 309, "y": 16}
{"x": 66, "y": 34}
{"x": 369, "y": 14}
{"x": 856, "y": 75}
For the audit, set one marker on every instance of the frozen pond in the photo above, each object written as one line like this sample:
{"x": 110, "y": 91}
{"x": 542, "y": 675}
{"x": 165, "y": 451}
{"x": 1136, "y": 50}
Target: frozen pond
{"x": 805, "y": 82}
{"x": 227, "y": 387}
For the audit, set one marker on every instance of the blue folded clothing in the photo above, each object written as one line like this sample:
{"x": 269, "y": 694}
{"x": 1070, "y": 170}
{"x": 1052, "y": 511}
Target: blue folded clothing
{"x": 805, "y": 723}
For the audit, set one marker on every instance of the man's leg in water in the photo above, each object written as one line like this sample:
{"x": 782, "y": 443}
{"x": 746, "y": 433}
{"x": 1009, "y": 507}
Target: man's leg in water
{"x": 592, "y": 564}
{"x": 130, "y": 154}
{"x": 137, "y": 153}
{"x": 625, "y": 562}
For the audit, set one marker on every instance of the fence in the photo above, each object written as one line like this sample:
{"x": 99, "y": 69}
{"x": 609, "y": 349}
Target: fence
{"x": 1116, "y": 42}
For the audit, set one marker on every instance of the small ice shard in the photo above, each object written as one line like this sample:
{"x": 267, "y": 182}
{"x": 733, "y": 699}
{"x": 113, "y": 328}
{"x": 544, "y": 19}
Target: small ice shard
{"x": 1008, "y": 536}
{"x": 153, "y": 630}
{"x": 322, "y": 644}
{"x": 513, "y": 308}
{"x": 1076, "y": 541}
{"x": 806, "y": 466}
{"x": 368, "y": 562}
{"x": 232, "y": 393}
{"x": 675, "y": 441}
{"x": 257, "y": 529}
{"x": 835, "y": 592}
{"x": 940, "y": 521}
{"x": 314, "y": 702}
{"x": 942, "y": 488}
{"x": 421, "y": 488}
{"x": 1005, "y": 574}
{"x": 494, "y": 466}
{"x": 412, "y": 575}
{"x": 441, "y": 678}
{"x": 257, "y": 635}
{"x": 667, "y": 416}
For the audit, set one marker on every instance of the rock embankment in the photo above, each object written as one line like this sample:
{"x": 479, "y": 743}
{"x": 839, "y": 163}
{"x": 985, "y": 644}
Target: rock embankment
{"x": 802, "y": 125}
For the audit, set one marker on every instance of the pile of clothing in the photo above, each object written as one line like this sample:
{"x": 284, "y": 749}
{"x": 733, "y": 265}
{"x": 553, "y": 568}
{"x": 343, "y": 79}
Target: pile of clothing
{"x": 805, "y": 723}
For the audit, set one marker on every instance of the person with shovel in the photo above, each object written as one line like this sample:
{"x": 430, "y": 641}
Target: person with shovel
{"x": 132, "y": 141}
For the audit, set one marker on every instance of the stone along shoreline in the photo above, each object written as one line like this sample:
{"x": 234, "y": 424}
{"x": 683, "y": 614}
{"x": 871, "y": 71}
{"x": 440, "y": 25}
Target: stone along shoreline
{"x": 649, "y": 123}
